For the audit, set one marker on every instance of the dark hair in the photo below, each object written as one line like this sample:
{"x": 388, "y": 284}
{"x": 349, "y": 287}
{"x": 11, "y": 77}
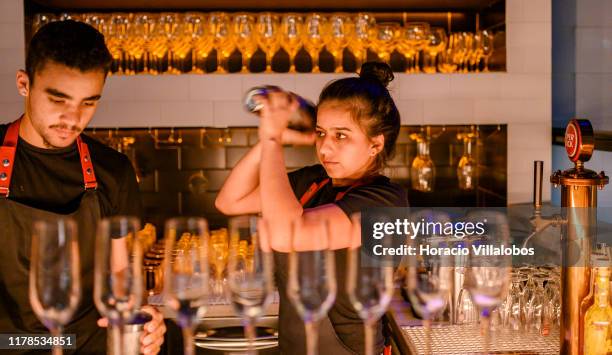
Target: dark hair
{"x": 71, "y": 43}
{"x": 370, "y": 104}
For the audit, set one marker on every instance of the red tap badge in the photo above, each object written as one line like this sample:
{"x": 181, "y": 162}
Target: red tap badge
{"x": 572, "y": 139}
{"x": 579, "y": 140}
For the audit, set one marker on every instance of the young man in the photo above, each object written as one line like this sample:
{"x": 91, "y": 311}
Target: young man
{"x": 48, "y": 168}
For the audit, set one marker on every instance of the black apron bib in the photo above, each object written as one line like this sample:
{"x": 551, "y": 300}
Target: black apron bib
{"x": 16, "y": 224}
{"x": 292, "y": 336}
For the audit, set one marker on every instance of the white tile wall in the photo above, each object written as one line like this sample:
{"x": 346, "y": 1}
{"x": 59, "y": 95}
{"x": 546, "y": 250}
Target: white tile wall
{"x": 520, "y": 97}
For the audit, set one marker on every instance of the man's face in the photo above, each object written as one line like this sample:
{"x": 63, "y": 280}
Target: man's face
{"x": 61, "y": 102}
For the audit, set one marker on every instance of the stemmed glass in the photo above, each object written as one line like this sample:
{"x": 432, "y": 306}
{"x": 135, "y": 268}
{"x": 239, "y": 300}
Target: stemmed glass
{"x": 362, "y": 34}
{"x": 54, "y": 281}
{"x": 513, "y": 305}
{"x": 179, "y": 44}
{"x": 312, "y": 277}
{"x": 186, "y": 273}
{"x": 114, "y": 34}
{"x": 422, "y": 169}
{"x": 485, "y": 44}
{"x": 337, "y": 37}
{"x": 314, "y": 36}
{"x": 536, "y": 304}
{"x": 429, "y": 276}
{"x": 157, "y": 46}
{"x": 201, "y": 40}
{"x": 118, "y": 273}
{"x": 222, "y": 35}
{"x": 413, "y": 39}
{"x": 466, "y": 167}
{"x": 268, "y": 38}
{"x": 385, "y": 42}
{"x": 137, "y": 34}
{"x": 292, "y": 26}
{"x": 370, "y": 288}
{"x": 436, "y": 43}
{"x": 244, "y": 34}
{"x": 487, "y": 275}
{"x": 250, "y": 281}
{"x": 218, "y": 251}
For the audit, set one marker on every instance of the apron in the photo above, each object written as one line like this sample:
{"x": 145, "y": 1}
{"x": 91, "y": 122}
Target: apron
{"x": 292, "y": 339}
{"x": 16, "y": 225}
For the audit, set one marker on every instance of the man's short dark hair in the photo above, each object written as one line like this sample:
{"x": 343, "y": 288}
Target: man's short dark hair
{"x": 73, "y": 44}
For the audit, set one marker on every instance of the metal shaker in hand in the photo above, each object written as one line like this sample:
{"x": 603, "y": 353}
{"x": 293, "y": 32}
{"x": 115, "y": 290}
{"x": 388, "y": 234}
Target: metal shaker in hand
{"x": 303, "y": 119}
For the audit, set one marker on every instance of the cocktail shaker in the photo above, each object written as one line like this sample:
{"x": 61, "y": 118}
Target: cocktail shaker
{"x": 303, "y": 119}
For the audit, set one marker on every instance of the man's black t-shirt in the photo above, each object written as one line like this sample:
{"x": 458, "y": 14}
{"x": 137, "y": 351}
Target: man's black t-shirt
{"x": 52, "y": 179}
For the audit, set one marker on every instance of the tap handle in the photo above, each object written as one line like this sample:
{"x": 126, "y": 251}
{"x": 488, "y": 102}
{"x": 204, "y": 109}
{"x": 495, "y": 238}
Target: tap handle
{"x": 538, "y": 170}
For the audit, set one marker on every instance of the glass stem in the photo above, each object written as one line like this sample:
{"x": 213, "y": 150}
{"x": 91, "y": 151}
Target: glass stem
{"x": 315, "y": 62}
{"x": 486, "y": 333}
{"x": 117, "y": 330}
{"x": 220, "y": 68}
{"x": 188, "y": 343}
{"x": 312, "y": 337}
{"x": 249, "y": 331}
{"x": 245, "y": 63}
{"x": 338, "y": 63}
{"x": 369, "y": 337}
{"x": 56, "y": 332}
{"x": 427, "y": 326}
{"x": 268, "y": 63}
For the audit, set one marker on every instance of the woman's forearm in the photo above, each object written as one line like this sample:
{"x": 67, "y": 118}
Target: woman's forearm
{"x": 278, "y": 199}
{"x": 242, "y": 180}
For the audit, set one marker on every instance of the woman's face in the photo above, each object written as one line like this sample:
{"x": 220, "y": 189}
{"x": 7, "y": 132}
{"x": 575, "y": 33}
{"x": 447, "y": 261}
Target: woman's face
{"x": 343, "y": 148}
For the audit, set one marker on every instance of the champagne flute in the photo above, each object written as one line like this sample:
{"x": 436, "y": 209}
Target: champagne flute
{"x": 268, "y": 25}
{"x": 362, "y": 34}
{"x": 292, "y": 26}
{"x": 487, "y": 275}
{"x": 312, "y": 276}
{"x": 429, "y": 276}
{"x": 222, "y": 35}
{"x": 387, "y": 34}
{"x": 314, "y": 36}
{"x": 54, "y": 280}
{"x": 250, "y": 281}
{"x": 370, "y": 288}
{"x": 186, "y": 274}
{"x": 244, "y": 33}
{"x": 117, "y": 273}
{"x": 337, "y": 37}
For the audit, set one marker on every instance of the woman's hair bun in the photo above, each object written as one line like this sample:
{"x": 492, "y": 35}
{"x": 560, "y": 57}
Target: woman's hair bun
{"x": 377, "y": 71}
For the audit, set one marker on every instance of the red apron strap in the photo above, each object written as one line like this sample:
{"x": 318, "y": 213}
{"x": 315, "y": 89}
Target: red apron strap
{"x": 89, "y": 176}
{"x": 314, "y": 188}
{"x": 7, "y": 157}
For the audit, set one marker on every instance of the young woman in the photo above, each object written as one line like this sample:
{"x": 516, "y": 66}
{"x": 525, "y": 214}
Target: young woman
{"x": 356, "y": 129}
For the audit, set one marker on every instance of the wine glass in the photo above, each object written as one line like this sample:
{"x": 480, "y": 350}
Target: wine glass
{"x": 337, "y": 37}
{"x": 429, "y": 276}
{"x": 436, "y": 43}
{"x": 312, "y": 276}
{"x": 487, "y": 275}
{"x": 201, "y": 40}
{"x": 186, "y": 273}
{"x": 222, "y": 38}
{"x": 362, "y": 34}
{"x": 179, "y": 43}
{"x": 114, "y": 35}
{"x": 244, "y": 33}
{"x": 157, "y": 46}
{"x": 250, "y": 280}
{"x": 485, "y": 45}
{"x": 387, "y": 34}
{"x": 218, "y": 251}
{"x": 466, "y": 167}
{"x": 54, "y": 280}
{"x": 118, "y": 273}
{"x": 314, "y": 36}
{"x": 513, "y": 307}
{"x": 370, "y": 288}
{"x": 292, "y": 25}
{"x": 268, "y": 38}
{"x": 413, "y": 39}
{"x": 422, "y": 169}
{"x": 137, "y": 35}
